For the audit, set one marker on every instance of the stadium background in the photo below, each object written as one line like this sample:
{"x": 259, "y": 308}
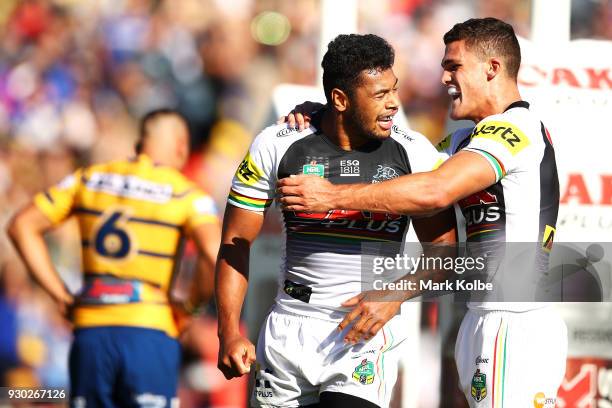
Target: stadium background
{"x": 75, "y": 76}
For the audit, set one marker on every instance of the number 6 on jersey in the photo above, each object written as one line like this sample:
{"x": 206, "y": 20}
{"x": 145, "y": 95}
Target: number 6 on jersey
{"x": 112, "y": 238}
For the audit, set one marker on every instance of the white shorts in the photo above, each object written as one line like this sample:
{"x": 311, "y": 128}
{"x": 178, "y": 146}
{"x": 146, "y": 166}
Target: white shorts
{"x": 299, "y": 357}
{"x": 511, "y": 359}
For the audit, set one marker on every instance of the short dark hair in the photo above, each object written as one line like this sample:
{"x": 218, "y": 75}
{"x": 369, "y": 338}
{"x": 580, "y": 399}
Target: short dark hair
{"x": 149, "y": 117}
{"x": 489, "y": 37}
{"x": 348, "y": 55}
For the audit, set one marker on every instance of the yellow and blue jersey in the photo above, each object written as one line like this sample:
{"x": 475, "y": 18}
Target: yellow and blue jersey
{"x": 133, "y": 216}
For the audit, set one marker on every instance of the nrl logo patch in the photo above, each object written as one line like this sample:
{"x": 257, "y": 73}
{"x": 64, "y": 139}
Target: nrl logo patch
{"x": 479, "y": 386}
{"x": 364, "y": 372}
{"x": 384, "y": 173}
{"x": 314, "y": 169}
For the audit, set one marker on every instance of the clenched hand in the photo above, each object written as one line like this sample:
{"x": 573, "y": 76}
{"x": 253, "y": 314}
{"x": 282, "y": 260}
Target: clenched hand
{"x": 306, "y": 193}
{"x": 236, "y": 355}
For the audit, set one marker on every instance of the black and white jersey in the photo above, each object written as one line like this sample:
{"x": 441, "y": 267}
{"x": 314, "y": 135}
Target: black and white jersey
{"x": 322, "y": 262}
{"x": 523, "y": 203}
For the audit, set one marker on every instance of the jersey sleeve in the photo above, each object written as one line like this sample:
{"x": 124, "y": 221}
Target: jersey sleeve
{"x": 201, "y": 210}
{"x": 57, "y": 202}
{"x": 254, "y": 183}
{"x": 444, "y": 147}
{"x": 422, "y": 154}
{"x": 501, "y": 143}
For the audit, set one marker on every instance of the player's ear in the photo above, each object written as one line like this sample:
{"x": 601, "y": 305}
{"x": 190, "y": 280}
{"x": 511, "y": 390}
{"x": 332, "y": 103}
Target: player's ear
{"x": 339, "y": 100}
{"x": 494, "y": 68}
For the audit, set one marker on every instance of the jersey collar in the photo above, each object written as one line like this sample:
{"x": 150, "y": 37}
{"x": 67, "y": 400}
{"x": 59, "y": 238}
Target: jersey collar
{"x": 518, "y": 104}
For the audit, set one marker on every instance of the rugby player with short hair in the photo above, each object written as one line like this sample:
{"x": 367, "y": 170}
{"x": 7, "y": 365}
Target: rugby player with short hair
{"x": 302, "y": 359}
{"x": 133, "y": 216}
{"x": 503, "y": 175}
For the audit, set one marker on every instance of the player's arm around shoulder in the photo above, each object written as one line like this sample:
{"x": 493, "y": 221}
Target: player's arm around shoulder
{"x": 428, "y": 190}
{"x": 455, "y": 175}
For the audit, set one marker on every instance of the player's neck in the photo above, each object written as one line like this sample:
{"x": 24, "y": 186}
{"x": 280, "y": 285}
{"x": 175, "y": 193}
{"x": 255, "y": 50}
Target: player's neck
{"x": 498, "y": 101}
{"x": 336, "y": 128}
{"x": 160, "y": 158}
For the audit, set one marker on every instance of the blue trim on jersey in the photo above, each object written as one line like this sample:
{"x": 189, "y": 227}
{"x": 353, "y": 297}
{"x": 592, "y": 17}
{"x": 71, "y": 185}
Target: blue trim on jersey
{"x": 86, "y": 244}
{"x": 155, "y": 254}
{"x": 88, "y": 211}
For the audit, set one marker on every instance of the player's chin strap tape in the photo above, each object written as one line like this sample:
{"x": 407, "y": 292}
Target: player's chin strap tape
{"x": 111, "y": 290}
{"x": 297, "y": 291}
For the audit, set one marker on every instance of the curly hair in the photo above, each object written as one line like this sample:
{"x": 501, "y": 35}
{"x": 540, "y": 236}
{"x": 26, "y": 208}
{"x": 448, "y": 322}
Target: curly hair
{"x": 489, "y": 37}
{"x": 350, "y": 54}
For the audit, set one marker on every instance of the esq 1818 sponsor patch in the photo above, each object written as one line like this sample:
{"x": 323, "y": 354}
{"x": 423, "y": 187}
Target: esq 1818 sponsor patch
{"x": 502, "y": 132}
{"x": 248, "y": 172}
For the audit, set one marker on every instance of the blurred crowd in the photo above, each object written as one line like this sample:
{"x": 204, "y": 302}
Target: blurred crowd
{"x": 75, "y": 76}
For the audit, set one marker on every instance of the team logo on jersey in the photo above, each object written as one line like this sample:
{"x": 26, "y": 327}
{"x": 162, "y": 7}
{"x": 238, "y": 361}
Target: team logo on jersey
{"x": 384, "y": 173}
{"x": 248, "y": 172}
{"x": 548, "y": 238}
{"x": 402, "y": 133}
{"x": 540, "y": 401}
{"x": 314, "y": 169}
{"x": 364, "y": 372}
{"x": 505, "y": 133}
{"x": 479, "y": 386}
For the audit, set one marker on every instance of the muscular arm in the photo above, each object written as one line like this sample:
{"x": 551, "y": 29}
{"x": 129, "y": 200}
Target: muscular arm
{"x": 438, "y": 234}
{"x": 463, "y": 174}
{"x": 240, "y": 228}
{"x": 26, "y": 230}
{"x": 439, "y": 228}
